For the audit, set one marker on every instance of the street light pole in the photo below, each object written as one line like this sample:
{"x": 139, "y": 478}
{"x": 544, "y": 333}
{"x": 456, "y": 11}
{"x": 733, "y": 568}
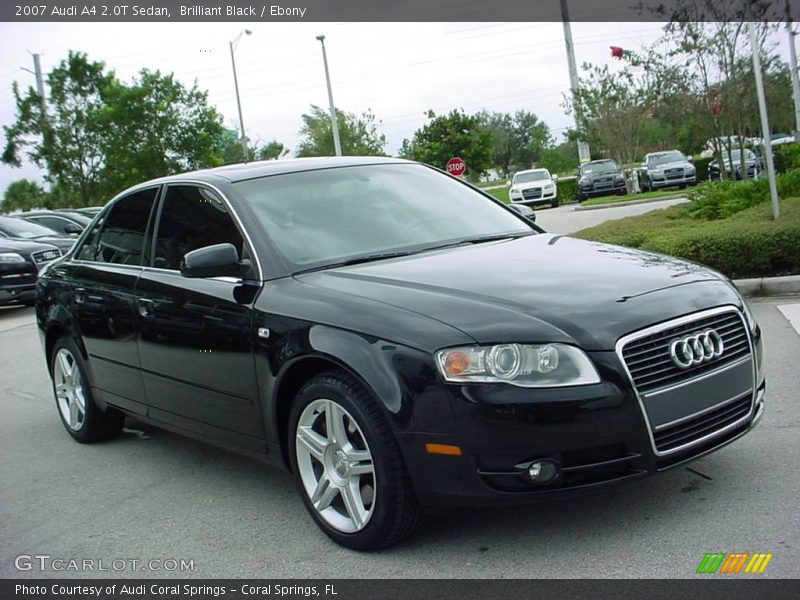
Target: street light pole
{"x": 795, "y": 81}
{"x": 765, "y": 130}
{"x": 233, "y": 45}
{"x": 337, "y": 145}
{"x": 583, "y": 148}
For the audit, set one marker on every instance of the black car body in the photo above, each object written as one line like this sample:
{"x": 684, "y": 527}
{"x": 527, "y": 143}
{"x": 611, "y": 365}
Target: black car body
{"x": 63, "y": 222}
{"x": 600, "y": 178}
{"x": 667, "y": 169}
{"x": 20, "y": 229}
{"x": 203, "y": 303}
{"x": 20, "y": 262}
{"x": 733, "y": 167}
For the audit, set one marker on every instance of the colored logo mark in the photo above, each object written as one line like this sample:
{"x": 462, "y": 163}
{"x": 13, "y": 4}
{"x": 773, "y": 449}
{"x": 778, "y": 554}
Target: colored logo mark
{"x": 734, "y": 562}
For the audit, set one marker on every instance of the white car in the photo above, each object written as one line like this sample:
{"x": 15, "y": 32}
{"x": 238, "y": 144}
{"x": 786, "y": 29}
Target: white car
{"x": 534, "y": 186}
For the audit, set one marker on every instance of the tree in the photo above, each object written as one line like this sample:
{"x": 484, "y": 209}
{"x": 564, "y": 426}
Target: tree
{"x": 23, "y": 194}
{"x": 100, "y": 135}
{"x": 358, "y": 135}
{"x": 518, "y": 139}
{"x": 154, "y": 127}
{"x": 272, "y": 150}
{"x": 67, "y": 141}
{"x": 560, "y": 159}
{"x": 453, "y": 134}
{"x": 230, "y": 152}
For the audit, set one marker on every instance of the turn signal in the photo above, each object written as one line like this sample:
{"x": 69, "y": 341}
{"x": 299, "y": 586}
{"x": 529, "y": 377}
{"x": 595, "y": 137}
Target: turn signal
{"x": 445, "y": 449}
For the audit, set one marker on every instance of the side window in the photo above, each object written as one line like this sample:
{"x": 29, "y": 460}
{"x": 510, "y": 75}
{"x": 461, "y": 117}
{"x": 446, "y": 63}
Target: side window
{"x": 192, "y": 217}
{"x": 55, "y": 223}
{"x": 119, "y": 237}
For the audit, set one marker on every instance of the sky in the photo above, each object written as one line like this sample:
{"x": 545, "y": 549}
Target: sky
{"x": 398, "y": 70}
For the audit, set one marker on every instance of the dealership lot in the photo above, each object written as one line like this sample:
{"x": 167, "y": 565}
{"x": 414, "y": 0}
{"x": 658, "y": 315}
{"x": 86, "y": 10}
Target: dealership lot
{"x": 149, "y": 495}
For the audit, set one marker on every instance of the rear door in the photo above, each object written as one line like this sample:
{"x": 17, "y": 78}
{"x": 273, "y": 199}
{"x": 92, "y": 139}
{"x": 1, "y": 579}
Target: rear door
{"x": 196, "y": 341}
{"x": 108, "y": 265}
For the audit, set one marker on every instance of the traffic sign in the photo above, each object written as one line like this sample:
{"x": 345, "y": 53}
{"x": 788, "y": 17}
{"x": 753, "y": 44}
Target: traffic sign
{"x": 456, "y": 166}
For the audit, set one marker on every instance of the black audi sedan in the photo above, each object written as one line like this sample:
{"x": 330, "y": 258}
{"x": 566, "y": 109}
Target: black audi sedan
{"x": 394, "y": 337}
{"x": 600, "y": 178}
{"x": 20, "y": 262}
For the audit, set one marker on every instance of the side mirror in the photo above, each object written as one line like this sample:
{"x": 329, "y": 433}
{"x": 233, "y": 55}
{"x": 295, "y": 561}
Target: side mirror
{"x": 690, "y": 158}
{"x": 73, "y": 229}
{"x": 219, "y": 260}
{"x": 554, "y": 178}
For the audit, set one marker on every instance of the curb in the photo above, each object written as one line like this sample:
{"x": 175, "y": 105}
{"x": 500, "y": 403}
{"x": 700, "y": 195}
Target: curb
{"x": 631, "y": 202}
{"x": 768, "y": 286}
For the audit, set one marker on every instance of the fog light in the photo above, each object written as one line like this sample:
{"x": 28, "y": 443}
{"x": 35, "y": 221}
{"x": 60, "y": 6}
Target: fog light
{"x": 541, "y": 471}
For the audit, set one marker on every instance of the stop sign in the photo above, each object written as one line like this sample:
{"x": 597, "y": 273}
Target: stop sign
{"x": 456, "y": 166}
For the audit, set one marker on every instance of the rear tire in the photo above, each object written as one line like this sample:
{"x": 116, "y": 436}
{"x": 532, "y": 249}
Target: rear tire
{"x": 348, "y": 466}
{"x": 81, "y": 417}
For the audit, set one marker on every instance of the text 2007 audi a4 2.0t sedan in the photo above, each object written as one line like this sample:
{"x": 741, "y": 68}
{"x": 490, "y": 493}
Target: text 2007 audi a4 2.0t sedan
{"x": 394, "y": 337}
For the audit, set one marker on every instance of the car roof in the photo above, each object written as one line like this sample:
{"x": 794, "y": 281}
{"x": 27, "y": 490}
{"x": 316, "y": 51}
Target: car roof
{"x": 267, "y": 168}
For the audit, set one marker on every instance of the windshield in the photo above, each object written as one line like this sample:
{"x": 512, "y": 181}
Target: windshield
{"x": 23, "y": 229}
{"x": 329, "y": 216}
{"x": 667, "y": 157}
{"x": 530, "y": 176}
{"x": 600, "y": 167}
{"x": 736, "y": 155}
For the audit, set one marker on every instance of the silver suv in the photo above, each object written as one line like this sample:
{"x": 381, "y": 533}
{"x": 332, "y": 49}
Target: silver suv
{"x": 667, "y": 169}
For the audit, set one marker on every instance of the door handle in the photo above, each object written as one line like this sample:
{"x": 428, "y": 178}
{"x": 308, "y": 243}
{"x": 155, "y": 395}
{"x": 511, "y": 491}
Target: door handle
{"x": 144, "y": 306}
{"x": 79, "y": 296}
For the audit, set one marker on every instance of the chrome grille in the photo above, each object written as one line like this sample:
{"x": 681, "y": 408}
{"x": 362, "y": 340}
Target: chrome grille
{"x": 532, "y": 193}
{"x": 44, "y": 256}
{"x": 651, "y": 367}
{"x": 671, "y": 437}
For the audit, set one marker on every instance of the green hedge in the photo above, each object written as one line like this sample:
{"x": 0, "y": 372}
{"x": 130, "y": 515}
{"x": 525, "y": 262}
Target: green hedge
{"x": 701, "y": 166}
{"x": 787, "y": 157}
{"x": 567, "y": 190}
{"x": 747, "y": 244}
{"x": 719, "y": 200}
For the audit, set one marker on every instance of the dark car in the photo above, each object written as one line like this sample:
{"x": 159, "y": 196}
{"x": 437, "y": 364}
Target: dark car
{"x": 394, "y": 337}
{"x": 89, "y": 210}
{"x": 20, "y": 262}
{"x": 600, "y": 178}
{"x": 61, "y": 221}
{"x": 732, "y": 165}
{"x": 11, "y": 227}
{"x": 667, "y": 169}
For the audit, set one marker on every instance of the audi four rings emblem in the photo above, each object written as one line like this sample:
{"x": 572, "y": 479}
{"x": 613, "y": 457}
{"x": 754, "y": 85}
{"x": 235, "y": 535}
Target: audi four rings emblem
{"x": 696, "y": 349}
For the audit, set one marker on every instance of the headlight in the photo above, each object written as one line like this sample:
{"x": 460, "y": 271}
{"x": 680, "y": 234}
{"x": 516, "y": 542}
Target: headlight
{"x": 549, "y": 186}
{"x": 11, "y": 257}
{"x": 584, "y": 181}
{"x": 658, "y": 172}
{"x": 544, "y": 365}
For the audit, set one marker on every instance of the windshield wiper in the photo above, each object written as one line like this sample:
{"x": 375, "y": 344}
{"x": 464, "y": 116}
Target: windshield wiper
{"x": 494, "y": 237}
{"x": 356, "y": 261}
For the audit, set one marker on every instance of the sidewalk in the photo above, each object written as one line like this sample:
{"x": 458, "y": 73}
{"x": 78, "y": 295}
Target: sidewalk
{"x": 768, "y": 286}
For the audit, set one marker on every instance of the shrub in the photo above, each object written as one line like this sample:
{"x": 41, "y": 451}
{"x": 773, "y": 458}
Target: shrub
{"x": 748, "y": 244}
{"x": 567, "y": 190}
{"x": 787, "y": 157}
{"x": 701, "y": 167}
{"x": 719, "y": 200}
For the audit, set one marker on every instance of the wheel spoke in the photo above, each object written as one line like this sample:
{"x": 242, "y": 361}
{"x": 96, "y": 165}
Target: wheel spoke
{"x": 73, "y": 413}
{"x": 355, "y": 456}
{"x": 312, "y": 441}
{"x": 66, "y": 367}
{"x": 364, "y": 468}
{"x": 62, "y": 390}
{"x": 323, "y": 494}
{"x": 351, "y": 496}
{"x": 334, "y": 422}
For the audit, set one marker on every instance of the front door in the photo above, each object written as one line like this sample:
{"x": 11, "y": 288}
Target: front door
{"x": 196, "y": 341}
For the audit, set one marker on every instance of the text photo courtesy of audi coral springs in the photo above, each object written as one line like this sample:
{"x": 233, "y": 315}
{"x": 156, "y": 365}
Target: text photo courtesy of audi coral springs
{"x": 418, "y": 354}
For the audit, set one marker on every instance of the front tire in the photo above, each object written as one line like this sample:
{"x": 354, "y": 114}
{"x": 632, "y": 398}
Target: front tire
{"x": 81, "y": 417}
{"x": 554, "y": 203}
{"x": 348, "y": 466}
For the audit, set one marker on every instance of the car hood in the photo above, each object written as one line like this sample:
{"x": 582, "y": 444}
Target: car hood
{"x": 25, "y": 247}
{"x": 676, "y": 164}
{"x": 537, "y": 288}
{"x": 60, "y": 242}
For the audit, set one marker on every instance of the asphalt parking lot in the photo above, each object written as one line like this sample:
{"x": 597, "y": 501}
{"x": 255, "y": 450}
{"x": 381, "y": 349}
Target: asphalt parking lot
{"x": 149, "y": 494}
{"x": 565, "y": 219}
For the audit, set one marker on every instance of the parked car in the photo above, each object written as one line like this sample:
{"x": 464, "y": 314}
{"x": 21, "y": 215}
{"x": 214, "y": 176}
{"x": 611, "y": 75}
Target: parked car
{"x": 732, "y": 165}
{"x": 667, "y": 169}
{"x": 89, "y": 210}
{"x": 20, "y": 262}
{"x": 61, "y": 221}
{"x": 435, "y": 349}
{"x": 11, "y": 227}
{"x": 600, "y": 178}
{"x": 532, "y": 187}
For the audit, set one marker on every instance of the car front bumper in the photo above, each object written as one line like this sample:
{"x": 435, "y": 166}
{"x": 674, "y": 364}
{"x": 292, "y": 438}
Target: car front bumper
{"x": 597, "y": 435}
{"x": 593, "y": 191}
{"x": 684, "y": 180}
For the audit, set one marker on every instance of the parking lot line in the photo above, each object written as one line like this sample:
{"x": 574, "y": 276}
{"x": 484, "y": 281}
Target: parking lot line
{"x": 792, "y": 314}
